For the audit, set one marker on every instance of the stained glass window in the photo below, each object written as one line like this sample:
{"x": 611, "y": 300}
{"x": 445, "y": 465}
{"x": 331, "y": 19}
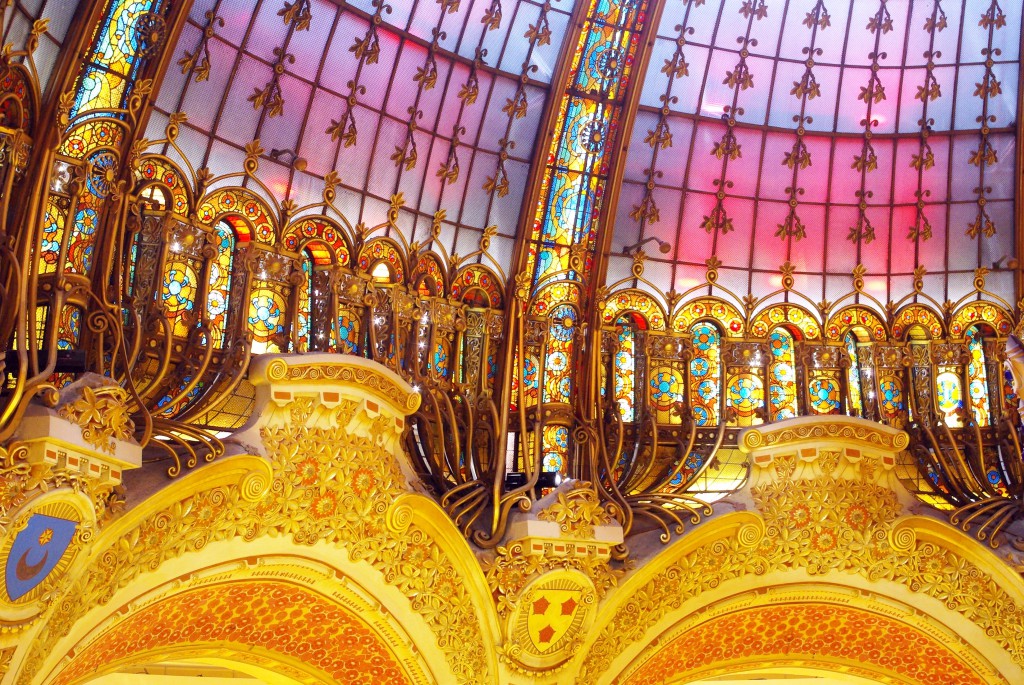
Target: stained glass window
{"x": 304, "y": 315}
{"x": 949, "y": 397}
{"x": 705, "y": 373}
{"x": 556, "y": 448}
{"x": 178, "y": 293}
{"x": 625, "y": 368}
{"x": 977, "y": 377}
{"x": 69, "y": 328}
{"x": 217, "y": 302}
{"x": 853, "y": 376}
{"x": 782, "y": 375}
{"x": 746, "y": 397}
{"x": 348, "y": 329}
{"x": 118, "y": 53}
{"x": 266, "y": 317}
{"x": 890, "y": 397}
{"x": 667, "y": 390}
{"x": 562, "y": 329}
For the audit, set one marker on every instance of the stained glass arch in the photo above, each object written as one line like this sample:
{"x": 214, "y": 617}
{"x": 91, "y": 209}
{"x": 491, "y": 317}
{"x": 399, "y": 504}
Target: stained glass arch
{"x": 706, "y": 373}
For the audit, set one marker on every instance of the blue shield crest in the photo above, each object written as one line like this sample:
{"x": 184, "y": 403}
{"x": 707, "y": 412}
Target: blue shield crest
{"x": 35, "y": 553}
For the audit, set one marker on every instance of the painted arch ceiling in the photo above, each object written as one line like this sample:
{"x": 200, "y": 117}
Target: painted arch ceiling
{"x": 823, "y": 133}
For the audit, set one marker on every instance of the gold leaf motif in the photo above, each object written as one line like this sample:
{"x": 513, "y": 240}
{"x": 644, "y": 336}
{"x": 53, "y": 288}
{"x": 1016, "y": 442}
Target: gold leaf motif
{"x": 873, "y": 92}
{"x": 539, "y": 32}
{"x": 984, "y": 154}
{"x": 993, "y": 17}
{"x": 344, "y": 130}
{"x": 492, "y": 16}
{"x": 677, "y": 67}
{"x": 470, "y": 90}
{"x": 808, "y": 85}
{"x": 819, "y": 16}
{"x": 718, "y": 219}
{"x": 427, "y": 74}
{"x": 757, "y": 8}
{"x": 367, "y": 48}
{"x": 798, "y": 156}
{"x": 661, "y": 136}
{"x": 923, "y": 160}
{"x": 727, "y": 147}
{"x": 102, "y": 414}
{"x": 577, "y": 512}
{"x": 516, "y": 106}
{"x": 988, "y": 88}
{"x": 740, "y": 76}
{"x": 647, "y": 210}
{"x": 296, "y": 13}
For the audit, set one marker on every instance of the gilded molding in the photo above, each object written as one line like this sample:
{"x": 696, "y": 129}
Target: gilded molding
{"x": 836, "y": 522}
{"x": 316, "y": 369}
{"x": 857, "y": 432}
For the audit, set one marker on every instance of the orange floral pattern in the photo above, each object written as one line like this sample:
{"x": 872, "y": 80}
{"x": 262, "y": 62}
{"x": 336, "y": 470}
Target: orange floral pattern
{"x": 268, "y": 617}
{"x": 820, "y": 633}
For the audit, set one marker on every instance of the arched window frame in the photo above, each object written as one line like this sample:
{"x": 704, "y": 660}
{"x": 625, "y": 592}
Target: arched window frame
{"x": 976, "y": 377}
{"x": 855, "y": 375}
{"x": 705, "y": 372}
{"x": 779, "y": 357}
{"x": 626, "y": 375}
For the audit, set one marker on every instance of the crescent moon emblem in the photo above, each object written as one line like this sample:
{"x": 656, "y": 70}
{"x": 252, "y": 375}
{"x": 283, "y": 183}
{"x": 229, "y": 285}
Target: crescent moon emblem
{"x": 26, "y": 571}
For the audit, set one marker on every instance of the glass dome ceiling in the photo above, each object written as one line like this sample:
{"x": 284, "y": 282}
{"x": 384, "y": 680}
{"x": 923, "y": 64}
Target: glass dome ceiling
{"x": 828, "y": 134}
{"x": 22, "y": 14}
{"x": 825, "y": 133}
{"x": 439, "y": 101}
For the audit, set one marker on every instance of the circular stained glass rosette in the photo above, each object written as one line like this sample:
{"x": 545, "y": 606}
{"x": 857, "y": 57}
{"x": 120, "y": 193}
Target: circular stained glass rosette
{"x": 781, "y": 343}
{"x": 179, "y": 289}
{"x": 265, "y": 314}
{"x": 701, "y": 416}
{"x": 707, "y": 391}
{"x": 666, "y": 388}
{"x": 891, "y": 396}
{"x": 552, "y": 462}
{"x": 745, "y": 394}
{"x": 557, "y": 362}
{"x": 705, "y": 336}
{"x": 978, "y": 390}
{"x": 824, "y": 395}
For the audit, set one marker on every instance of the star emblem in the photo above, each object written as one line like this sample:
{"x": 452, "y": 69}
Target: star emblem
{"x": 45, "y": 536}
{"x": 541, "y": 605}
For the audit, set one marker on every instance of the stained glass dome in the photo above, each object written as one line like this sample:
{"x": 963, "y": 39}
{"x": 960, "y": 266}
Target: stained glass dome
{"x": 438, "y": 101}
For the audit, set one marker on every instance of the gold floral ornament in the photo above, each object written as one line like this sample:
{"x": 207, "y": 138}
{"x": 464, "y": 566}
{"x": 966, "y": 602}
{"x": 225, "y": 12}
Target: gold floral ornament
{"x": 102, "y": 414}
{"x": 577, "y": 512}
